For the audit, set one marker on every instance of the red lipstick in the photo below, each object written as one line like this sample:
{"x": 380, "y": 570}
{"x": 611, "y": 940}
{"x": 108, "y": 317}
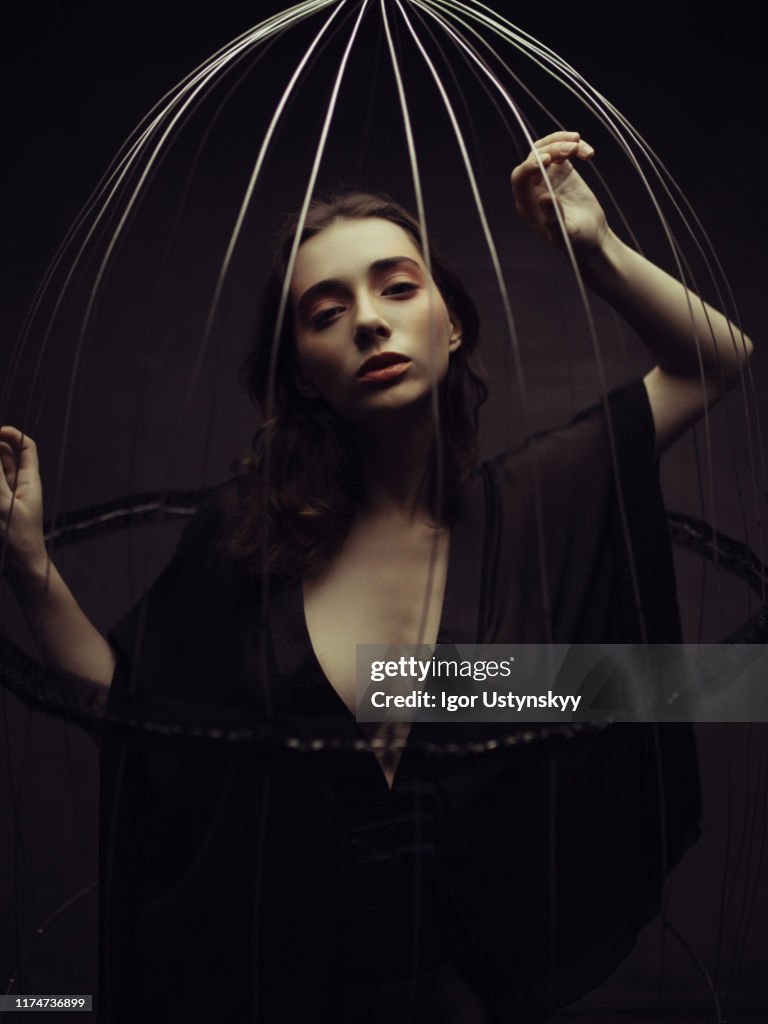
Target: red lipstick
{"x": 383, "y": 366}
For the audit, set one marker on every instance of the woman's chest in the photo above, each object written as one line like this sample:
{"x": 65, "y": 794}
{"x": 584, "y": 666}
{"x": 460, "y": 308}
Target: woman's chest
{"x": 386, "y": 586}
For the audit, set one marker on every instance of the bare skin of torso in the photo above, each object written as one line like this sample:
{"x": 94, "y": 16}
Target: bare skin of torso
{"x": 374, "y": 592}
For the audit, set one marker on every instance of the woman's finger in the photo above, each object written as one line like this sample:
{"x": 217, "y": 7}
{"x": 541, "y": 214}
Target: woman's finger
{"x": 8, "y": 464}
{"x": 7, "y": 471}
{"x": 22, "y": 445}
{"x": 557, "y": 151}
{"x": 559, "y": 136}
{"x": 529, "y": 171}
{"x": 523, "y": 172}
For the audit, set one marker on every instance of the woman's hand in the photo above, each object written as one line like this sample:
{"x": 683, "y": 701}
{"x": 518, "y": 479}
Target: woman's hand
{"x": 67, "y": 640}
{"x": 22, "y": 527}
{"x": 582, "y": 214}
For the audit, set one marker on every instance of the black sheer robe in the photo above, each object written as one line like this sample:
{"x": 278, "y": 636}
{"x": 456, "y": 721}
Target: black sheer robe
{"x": 240, "y": 881}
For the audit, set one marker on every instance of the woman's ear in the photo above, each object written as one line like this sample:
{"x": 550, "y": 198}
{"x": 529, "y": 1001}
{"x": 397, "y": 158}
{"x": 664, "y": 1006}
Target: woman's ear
{"x": 455, "y": 336}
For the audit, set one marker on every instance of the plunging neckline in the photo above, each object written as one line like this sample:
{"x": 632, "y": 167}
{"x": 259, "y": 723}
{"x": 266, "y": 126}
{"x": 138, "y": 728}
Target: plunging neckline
{"x": 294, "y": 655}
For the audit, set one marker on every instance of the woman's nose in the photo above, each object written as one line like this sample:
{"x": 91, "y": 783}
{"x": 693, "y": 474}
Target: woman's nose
{"x": 370, "y": 323}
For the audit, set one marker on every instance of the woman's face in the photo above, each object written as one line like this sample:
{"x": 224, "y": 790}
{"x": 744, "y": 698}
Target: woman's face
{"x": 372, "y": 331}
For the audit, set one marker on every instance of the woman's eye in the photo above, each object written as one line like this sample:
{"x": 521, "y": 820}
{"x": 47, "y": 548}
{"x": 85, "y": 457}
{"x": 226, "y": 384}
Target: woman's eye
{"x": 400, "y": 288}
{"x": 326, "y": 317}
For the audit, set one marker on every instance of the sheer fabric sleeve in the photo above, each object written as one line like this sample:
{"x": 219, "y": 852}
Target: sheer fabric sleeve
{"x": 578, "y": 546}
{"x": 188, "y": 645}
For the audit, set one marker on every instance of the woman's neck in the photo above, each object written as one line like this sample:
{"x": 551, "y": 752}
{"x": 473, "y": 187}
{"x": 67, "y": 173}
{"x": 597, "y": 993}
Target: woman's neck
{"x": 396, "y": 456}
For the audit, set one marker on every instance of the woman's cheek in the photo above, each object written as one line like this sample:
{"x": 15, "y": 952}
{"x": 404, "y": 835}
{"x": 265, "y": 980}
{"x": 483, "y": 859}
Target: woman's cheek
{"x": 435, "y": 332}
{"x": 330, "y": 371}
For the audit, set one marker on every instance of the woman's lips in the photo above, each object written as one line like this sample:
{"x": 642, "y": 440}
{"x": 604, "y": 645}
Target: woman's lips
{"x": 386, "y": 372}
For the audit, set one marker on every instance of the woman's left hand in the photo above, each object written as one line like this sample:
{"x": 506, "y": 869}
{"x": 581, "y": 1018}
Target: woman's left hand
{"x": 583, "y": 216}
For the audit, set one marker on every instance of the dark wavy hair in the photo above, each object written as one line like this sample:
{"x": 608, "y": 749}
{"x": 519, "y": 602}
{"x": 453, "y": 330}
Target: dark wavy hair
{"x": 301, "y": 483}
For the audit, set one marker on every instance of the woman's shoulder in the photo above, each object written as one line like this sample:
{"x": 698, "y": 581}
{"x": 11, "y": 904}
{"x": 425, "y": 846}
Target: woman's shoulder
{"x": 215, "y": 509}
{"x": 222, "y": 499}
{"x": 190, "y": 591}
{"x": 618, "y": 426}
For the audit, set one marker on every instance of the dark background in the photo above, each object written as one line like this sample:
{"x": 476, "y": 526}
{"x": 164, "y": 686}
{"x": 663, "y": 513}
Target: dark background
{"x": 79, "y": 77}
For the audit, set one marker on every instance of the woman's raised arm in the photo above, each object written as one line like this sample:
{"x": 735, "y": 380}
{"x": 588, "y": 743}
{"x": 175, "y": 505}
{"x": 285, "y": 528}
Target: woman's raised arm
{"x": 693, "y": 344}
{"x": 67, "y": 640}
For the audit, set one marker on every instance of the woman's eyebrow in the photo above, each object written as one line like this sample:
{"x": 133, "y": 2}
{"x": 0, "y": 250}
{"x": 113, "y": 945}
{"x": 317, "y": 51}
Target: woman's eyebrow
{"x": 334, "y": 284}
{"x": 393, "y": 261}
{"x": 331, "y": 284}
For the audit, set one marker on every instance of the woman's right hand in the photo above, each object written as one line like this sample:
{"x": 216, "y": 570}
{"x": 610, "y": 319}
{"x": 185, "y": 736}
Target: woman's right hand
{"x": 22, "y": 525}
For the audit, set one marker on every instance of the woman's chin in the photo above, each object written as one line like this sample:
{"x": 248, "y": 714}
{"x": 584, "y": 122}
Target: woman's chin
{"x": 403, "y": 400}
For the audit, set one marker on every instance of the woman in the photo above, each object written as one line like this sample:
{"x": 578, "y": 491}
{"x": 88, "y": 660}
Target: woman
{"x": 248, "y": 884}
